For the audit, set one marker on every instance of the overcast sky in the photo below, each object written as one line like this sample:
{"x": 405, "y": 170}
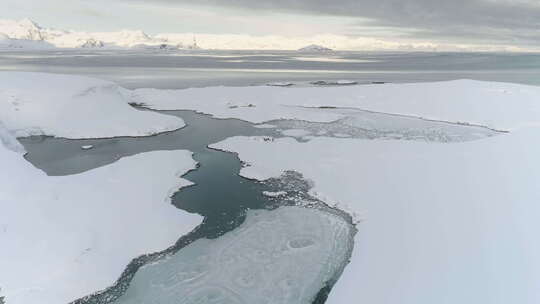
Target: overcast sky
{"x": 509, "y": 22}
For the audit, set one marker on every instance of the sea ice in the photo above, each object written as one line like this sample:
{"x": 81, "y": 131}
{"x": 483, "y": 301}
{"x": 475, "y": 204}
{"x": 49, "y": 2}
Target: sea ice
{"x": 274, "y": 194}
{"x": 285, "y": 255}
{"x": 87, "y": 147}
{"x": 442, "y": 223}
{"x": 264, "y": 126}
{"x": 439, "y": 223}
{"x": 489, "y": 104}
{"x": 295, "y": 132}
{"x": 370, "y": 125}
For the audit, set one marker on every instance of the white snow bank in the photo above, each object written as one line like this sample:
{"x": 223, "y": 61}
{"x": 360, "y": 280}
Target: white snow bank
{"x": 485, "y": 103}
{"x": 62, "y": 238}
{"x": 73, "y": 107}
{"x": 442, "y": 223}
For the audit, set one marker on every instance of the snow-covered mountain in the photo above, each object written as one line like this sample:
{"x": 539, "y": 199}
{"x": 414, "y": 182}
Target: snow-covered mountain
{"x": 27, "y": 34}
{"x": 9, "y": 43}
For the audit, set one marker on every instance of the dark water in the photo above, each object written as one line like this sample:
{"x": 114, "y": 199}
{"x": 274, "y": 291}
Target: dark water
{"x": 57, "y": 156}
{"x": 135, "y": 69}
{"x": 219, "y": 193}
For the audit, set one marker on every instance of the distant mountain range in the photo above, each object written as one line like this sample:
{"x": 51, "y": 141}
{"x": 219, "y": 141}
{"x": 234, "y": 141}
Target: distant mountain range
{"x": 27, "y": 34}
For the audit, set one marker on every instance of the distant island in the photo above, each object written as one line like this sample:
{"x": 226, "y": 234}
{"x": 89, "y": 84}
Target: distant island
{"x": 315, "y": 48}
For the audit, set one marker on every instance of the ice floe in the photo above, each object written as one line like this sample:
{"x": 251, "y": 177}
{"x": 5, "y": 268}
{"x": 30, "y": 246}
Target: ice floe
{"x": 87, "y": 147}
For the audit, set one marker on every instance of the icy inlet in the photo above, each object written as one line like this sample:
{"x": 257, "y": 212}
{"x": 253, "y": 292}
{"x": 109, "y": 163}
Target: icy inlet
{"x": 449, "y": 205}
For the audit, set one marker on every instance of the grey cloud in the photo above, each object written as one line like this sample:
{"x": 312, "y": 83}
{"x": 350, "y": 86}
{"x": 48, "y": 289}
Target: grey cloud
{"x": 501, "y": 20}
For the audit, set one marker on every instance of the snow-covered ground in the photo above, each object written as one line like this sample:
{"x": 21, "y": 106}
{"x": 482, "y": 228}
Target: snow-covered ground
{"x": 65, "y": 237}
{"x": 439, "y": 222}
{"x": 452, "y": 222}
{"x": 73, "y": 107}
